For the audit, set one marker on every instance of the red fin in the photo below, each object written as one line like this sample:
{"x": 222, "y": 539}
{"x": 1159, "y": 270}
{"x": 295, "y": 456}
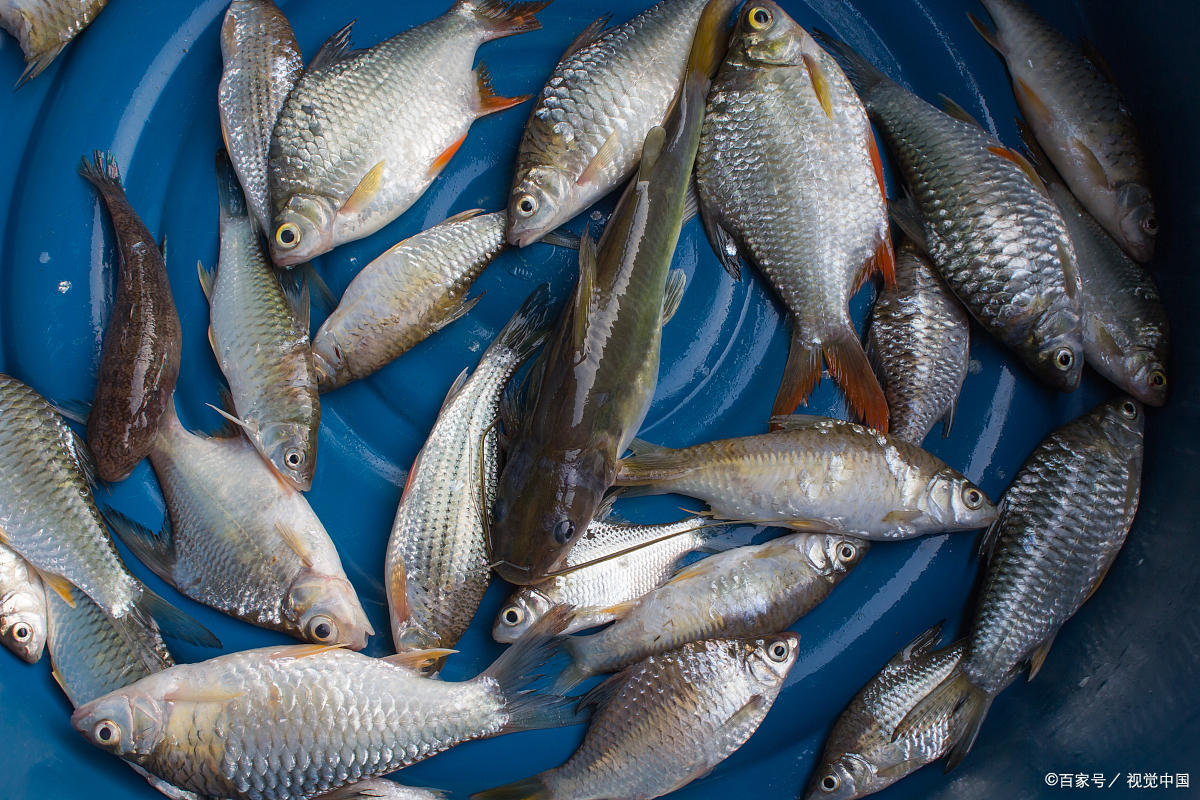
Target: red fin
{"x": 503, "y": 18}
{"x": 1023, "y": 163}
{"x": 884, "y": 259}
{"x": 489, "y": 101}
{"x": 851, "y": 369}
{"x": 441, "y": 161}
{"x": 800, "y": 375}
{"x": 1033, "y": 105}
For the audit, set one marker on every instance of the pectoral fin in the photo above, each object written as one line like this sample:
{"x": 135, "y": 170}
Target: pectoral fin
{"x": 293, "y": 540}
{"x": 418, "y": 660}
{"x": 366, "y": 190}
{"x": 604, "y": 156}
{"x": 820, "y": 83}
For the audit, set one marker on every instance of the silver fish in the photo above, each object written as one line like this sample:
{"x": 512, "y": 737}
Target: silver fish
{"x": 666, "y": 721}
{"x": 44, "y": 27}
{"x": 919, "y": 343}
{"x": 22, "y": 606}
{"x": 584, "y": 137}
{"x": 860, "y": 757}
{"x": 364, "y": 132}
{"x": 243, "y": 542}
{"x": 436, "y": 568}
{"x": 749, "y": 591}
{"x": 260, "y": 63}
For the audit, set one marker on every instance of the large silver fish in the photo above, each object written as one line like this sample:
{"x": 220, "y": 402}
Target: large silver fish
{"x": 749, "y": 591}
{"x": 860, "y": 757}
{"x": 364, "y": 132}
{"x": 242, "y": 541}
{"x": 666, "y": 721}
{"x": 1064, "y": 519}
{"x": 816, "y": 474}
{"x": 22, "y": 606}
{"x": 436, "y": 568}
{"x": 1071, "y": 99}
{"x": 259, "y": 334}
{"x": 919, "y": 343}
{"x": 44, "y": 27}
{"x": 992, "y": 232}
{"x": 51, "y": 519}
{"x": 789, "y": 176}
{"x": 287, "y": 723}
{"x": 260, "y": 63}
{"x": 584, "y": 137}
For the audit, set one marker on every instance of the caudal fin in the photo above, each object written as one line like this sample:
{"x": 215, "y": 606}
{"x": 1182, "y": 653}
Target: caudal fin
{"x": 229, "y": 191}
{"x": 527, "y": 329}
{"x": 501, "y": 18}
{"x": 103, "y": 172}
{"x": 528, "y": 789}
{"x": 173, "y": 622}
{"x": 651, "y": 463}
{"x": 957, "y": 703}
{"x": 849, "y": 366}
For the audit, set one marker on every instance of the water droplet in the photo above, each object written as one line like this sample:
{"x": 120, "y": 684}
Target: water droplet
{"x": 975, "y": 367}
{"x": 1001, "y": 474}
{"x": 64, "y": 286}
{"x": 44, "y": 257}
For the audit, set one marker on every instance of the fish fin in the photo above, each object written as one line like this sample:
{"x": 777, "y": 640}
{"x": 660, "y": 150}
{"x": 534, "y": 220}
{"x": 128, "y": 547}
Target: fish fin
{"x": 651, "y": 150}
{"x": 908, "y": 219}
{"x": 561, "y": 237}
{"x": 651, "y": 463}
{"x": 102, "y": 172}
{"x": 897, "y": 771}
{"x": 948, "y": 418}
{"x": 954, "y": 697}
{"x": 588, "y": 35}
{"x": 903, "y": 516}
{"x": 1022, "y": 162}
{"x": 74, "y": 410}
{"x": 673, "y": 296}
{"x": 292, "y": 539}
{"x": 203, "y": 694}
{"x": 58, "y": 678}
{"x": 1038, "y": 656}
{"x": 820, "y": 83}
{"x": 155, "y": 550}
{"x": 987, "y": 545}
{"x": 298, "y": 651}
{"x": 922, "y": 644}
{"x": 85, "y": 459}
{"x": 295, "y": 291}
{"x": 397, "y": 586}
{"x": 862, "y": 73}
{"x": 336, "y": 48}
{"x": 60, "y": 585}
{"x": 1090, "y": 162}
{"x": 958, "y": 112}
{"x": 605, "y": 509}
{"x": 1098, "y": 61}
{"x": 1032, "y": 105}
{"x": 173, "y": 622}
{"x": 850, "y": 368}
{"x": 1066, "y": 258}
{"x": 687, "y": 573}
{"x": 229, "y": 190}
{"x": 584, "y": 290}
{"x": 459, "y": 311}
{"x": 801, "y": 373}
{"x": 419, "y": 660}
{"x": 451, "y": 393}
{"x": 325, "y": 297}
{"x": 206, "y": 281}
{"x": 575, "y": 672}
{"x": 533, "y": 788}
{"x": 987, "y": 33}
{"x": 691, "y": 202}
{"x": 723, "y": 244}
{"x": 1035, "y": 155}
{"x": 603, "y": 158}
{"x": 809, "y": 525}
{"x": 882, "y": 261}
{"x": 502, "y": 18}
{"x": 462, "y": 216}
{"x": 617, "y": 610}
{"x": 366, "y": 190}
{"x": 34, "y": 67}
{"x": 441, "y": 161}
{"x": 602, "y": 693}
{"x": 489, "y": 101}
{"x": 527, "y": 330}
{"x": 249, "y": 428}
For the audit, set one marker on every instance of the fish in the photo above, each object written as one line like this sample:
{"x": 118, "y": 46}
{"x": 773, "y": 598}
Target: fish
{"x": 139, "y": 361}
{"x": 1126, "y": 334}
{"x": 860, "y": 757}
{"x": 919, "y": 340}
{"x": 748, "y": 591}
{"x": 613, "y": 563}
{"x": 417, "y": 287}
{"x": 667, "y": 721}
{"x": 258, "y": 330}
{"x": 336, "y": 716}
{"x": 239, "y": 540}
{"x": 364, "y": 132}
{"x": 1071, "y": 100}
{"x": 816, "y": 473}
{"x": 789, "y": 177}
{"x": 1064, "y": 519}
{"x": 436, "y": 569}
{"x": 52, "y": 521}
{"x": 22, "y": 607}
{"x": 383, "y": 789}
{"x": 44, "y": 27}
{"x": 584, "y": 137}
{"x": 986, "y": 222}
{"x": 260, "y": 63}
{"x": 601, "y": 365}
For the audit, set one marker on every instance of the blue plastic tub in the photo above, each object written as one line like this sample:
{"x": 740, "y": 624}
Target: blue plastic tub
{"x": 1118, "y": 692}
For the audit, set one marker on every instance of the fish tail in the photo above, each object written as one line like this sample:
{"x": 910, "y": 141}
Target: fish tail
{"x": 501, "y": 18}
{"x": 173, "y": 622}
{"x": 862, "y": 73}
{"x": 651, "y": 463}
{"x": 801, "y": 373}
{"x": 229, "y": 191}
{"x": 528, "y": 328}
{"x": 527, "y": 789}
{"x": 489, "y": 101}
{"x": 575, "y": 672}
{"x": 956, "y": 701}
{"x": 103, "y": 172}
{"x": 850, "y": 368}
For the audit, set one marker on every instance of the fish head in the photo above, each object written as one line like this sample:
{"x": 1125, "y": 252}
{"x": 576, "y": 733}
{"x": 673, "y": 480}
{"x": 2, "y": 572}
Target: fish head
{"x": 1059, "y": 359}
{"x": 845, "y": 778}
{"x": 958, "y": 504}
{"x": 129, "y": 722}
{"x": 291, "y": 447}
{"x": 538, "y": 203}
{"x": 303, "y": 230}
{"x": 1146, "y": 377}
{"x": 772, "y": 657}
{"x": 519, "y": 614}
{"x": 23, "y": 622}
{"x": 767, "y": 35}
{"x": 325, "y": 610}
{"x": 1139, "y": 224}
{"x": 1124, "y": 421}
{"x": 834, "y": 554}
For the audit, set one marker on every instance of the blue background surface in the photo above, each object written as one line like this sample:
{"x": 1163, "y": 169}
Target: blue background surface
{"x": 1118, "y": 691}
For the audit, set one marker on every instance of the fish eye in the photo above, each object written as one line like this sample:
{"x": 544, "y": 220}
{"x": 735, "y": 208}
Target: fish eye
{"x": 760, "y": 18}
{"x": 1157, "y": 379}
{"x": 830, "y": 783}
{"x": 972, "y": 498}
{"x": 294, "y": 458}
{"x": 22, "y": 632}
{"x": 1150, "y": 224}
{"x": 287, "y": 235}
{"x": 563, "y": 531}
{"x": 778, "y": 652}
{"x": 1129, "y": 410}
{"x": 322, "y": 630}
{"x": 847, "y": 551}
{"x": 513, "y": 616}
{"x": 1064, "y": 358}
{"x": 527, "y": 205}
{"x": 105, "y": 732}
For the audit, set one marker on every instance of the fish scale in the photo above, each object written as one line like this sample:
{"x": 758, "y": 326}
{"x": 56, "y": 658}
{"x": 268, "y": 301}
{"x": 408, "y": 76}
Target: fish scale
{"x": 44, "y": 27}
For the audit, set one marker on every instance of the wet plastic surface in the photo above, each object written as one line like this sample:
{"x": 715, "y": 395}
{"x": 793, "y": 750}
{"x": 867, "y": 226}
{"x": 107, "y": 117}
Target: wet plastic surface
{"x": 1118, "y": 691}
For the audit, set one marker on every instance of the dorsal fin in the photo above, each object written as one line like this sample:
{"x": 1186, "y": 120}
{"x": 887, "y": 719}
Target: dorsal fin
{"x": 588, "y": 35}
{"x": 958, "y": 112}
{"x": 1098, "y": 61}
{"x": 335, "y": 49}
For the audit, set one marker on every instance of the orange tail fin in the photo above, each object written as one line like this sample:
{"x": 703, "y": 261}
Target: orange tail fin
{"x": 800, "y": 375}
{"x": 850, "y": 368}
{"x": 503, "y": 18}
{"x": 489, "y": 101}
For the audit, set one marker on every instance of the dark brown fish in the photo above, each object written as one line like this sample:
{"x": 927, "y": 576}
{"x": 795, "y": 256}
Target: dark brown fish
{"x": 140, "y": 359}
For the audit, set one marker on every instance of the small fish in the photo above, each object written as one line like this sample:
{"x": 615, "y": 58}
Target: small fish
{"x": 748, "y": 591}
{"x": 139, "y": 362}
{"x": 667, "y": 721}
{"x": 790, "y": 178}
{"x": 364, "y": 132}
{"x": 816, "y": 473}
{"x": 336, "y": 716}
{"x": 585, "y": 135}
{"x": 44, "y": 27}
{"x": 436, "y": 568}
{"x": 860, "y": 757}
{"x": 51, "y": 519}
{"x": 601, "y": 365}
{"x": 417, "y": 287}
{"x": 1064, "y": 519}
{"x": 22, "y": 606}
{"x": 986, "y": 222}
{"x": 258, "y": 330}
{"x": 260, "y": 63}
{"x": 243, "y": 542}
{"x": 613, "y": 563}
{"x": 919, "y": 343}
{"x": 1072, "y": 102}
